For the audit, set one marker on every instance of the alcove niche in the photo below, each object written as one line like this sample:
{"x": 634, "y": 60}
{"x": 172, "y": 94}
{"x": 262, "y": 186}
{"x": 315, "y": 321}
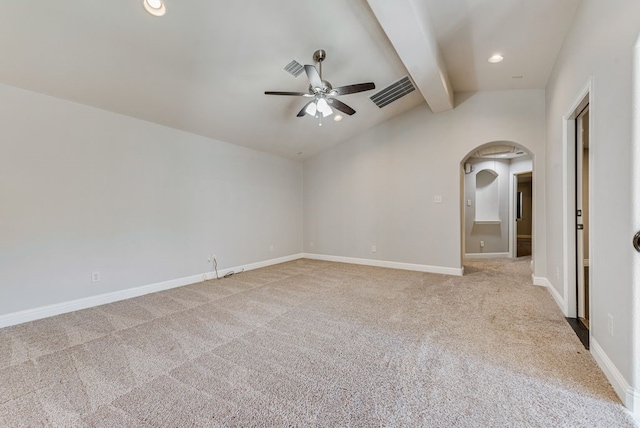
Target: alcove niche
{"x": 487, "y": 197}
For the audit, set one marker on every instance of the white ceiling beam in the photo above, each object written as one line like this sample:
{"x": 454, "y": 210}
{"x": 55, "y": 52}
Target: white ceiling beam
{"x": 414, "y": 40}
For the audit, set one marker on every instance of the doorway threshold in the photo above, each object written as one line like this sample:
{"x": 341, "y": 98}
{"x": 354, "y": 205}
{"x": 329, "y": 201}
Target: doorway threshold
{"x": 581, "y": 331}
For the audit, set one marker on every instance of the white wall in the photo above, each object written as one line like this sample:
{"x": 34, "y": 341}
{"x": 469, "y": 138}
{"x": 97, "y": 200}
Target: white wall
{"x": 378, "y": 188}
{"x": 85, "y": 190}
{"x": 600, "y": 46}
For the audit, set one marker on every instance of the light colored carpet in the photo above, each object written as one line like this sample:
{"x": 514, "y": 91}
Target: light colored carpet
{"x": 311, "y": 343}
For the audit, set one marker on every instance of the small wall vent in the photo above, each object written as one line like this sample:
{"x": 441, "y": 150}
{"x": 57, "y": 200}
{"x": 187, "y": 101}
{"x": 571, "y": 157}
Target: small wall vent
{"x": 393, "y": 92}
{"x": 294, "y": 68}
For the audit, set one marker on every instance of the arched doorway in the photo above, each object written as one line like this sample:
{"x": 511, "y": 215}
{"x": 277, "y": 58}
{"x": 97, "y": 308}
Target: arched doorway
{"x": 497, "y": 201}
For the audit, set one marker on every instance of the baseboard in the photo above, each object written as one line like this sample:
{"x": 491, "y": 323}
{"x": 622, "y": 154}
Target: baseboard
{"x": 386, "y": 264}
{"x": 252, "y": 266}
{"x": 544, "y": 282}
{"x": 103, "y": 299}
{"x": 629, "y": 395}
{"x": 487, "y": 256}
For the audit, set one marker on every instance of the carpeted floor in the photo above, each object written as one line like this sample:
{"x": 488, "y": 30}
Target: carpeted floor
{"x": 311, "y": 343}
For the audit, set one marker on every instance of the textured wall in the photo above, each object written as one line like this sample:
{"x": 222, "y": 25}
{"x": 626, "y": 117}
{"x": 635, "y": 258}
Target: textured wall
{"x": 379, "y": 188}
{"x": 86, "y": 190}
{"x": 600, "y": 48}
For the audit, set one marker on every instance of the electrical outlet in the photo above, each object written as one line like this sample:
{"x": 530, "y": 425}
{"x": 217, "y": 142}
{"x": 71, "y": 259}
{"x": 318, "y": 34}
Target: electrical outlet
{"x": 610, "y": 324}
{"x": 468, "y": 202}
{"x": 481, "y": 244}
{"x": 211, "y": 258}
{"x": 374, "y": 248}
{"x": 271, "y": 248}
{"x": 437, "y": 199}
{"x": 557, "y": 273}
{"x": 311, "y": 244}
{"x": 95, "y": 276}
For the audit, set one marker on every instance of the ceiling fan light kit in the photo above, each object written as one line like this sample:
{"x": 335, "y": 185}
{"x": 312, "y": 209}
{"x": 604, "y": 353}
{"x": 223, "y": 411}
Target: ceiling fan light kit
{"x": 323, "y": 93}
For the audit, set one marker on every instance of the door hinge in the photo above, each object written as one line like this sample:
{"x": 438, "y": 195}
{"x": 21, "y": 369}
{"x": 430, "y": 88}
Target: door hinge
{"x": 580, "y": 226}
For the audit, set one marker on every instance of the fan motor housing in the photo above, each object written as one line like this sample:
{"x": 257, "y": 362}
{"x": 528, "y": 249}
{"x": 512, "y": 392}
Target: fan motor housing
{"x": 326, "y": 87}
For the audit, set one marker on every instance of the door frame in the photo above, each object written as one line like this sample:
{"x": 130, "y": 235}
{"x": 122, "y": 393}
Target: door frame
{"x": 569, "y": 279}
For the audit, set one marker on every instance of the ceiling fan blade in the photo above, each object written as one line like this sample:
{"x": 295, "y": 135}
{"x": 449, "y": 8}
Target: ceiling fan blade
{"x": 339, "y": 105}
{"x": 313, "y": 76}
{"x": 295, "y": 94}
{"x": 352, "y": 89}
{"x": 302, "y": 112}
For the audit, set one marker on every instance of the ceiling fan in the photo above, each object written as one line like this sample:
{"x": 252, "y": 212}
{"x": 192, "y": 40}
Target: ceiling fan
{"x": 323, "y": 94}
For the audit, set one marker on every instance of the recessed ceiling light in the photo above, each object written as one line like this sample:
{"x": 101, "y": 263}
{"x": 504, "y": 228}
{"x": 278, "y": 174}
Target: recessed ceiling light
{"x": 495, "y": 59}
{"x": 337, "y": 118}
{"x": 154, "y": 7}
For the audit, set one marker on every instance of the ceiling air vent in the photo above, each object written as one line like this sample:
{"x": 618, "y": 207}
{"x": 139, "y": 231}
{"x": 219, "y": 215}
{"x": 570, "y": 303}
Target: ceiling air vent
{"x": 393, "y": 92}
{"x": 294, "y": 68}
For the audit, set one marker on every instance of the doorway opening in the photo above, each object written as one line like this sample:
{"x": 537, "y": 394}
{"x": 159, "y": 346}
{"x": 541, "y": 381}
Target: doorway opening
{"x": 577, "y": 264}
{"x": 523, "y": 224}
{"x": 489, "y": 207}
{"x": 582, "y": 215}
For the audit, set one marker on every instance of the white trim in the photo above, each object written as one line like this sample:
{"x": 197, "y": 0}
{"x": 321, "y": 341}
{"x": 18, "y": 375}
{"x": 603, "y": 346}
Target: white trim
{"x": 513, "y": 187}
{"x": 629, "y": 395}
{"x": 102, "y": 299}
{"x": 386, "y": 264}
{"x": 586, "y": 262}
{"x": 544, "y": 282}
{"x": 487, "y": 256}
{"x": 256, "y": 265}
{"x": 487, "y": 221}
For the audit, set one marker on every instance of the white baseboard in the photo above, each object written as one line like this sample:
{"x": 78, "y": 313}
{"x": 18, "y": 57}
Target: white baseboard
{"x": 256, "y": 265}
{"x": 544, "y": 282}
{"x": 386, "y": 264}
{"x": 102, "y": 299}
{"x": 487, "y": 256}
{"x": 629, "y": 395}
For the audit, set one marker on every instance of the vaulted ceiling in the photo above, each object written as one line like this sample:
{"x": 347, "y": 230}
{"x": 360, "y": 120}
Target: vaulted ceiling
{"x": 204, "y": 66}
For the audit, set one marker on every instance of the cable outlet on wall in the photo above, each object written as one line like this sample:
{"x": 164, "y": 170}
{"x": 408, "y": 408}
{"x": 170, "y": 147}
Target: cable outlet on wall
{"x": 211, "y": 258}
{"x": 374, "y": 248}
{"x": 610, "y": 324}
{"x": 95, "y": 276}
